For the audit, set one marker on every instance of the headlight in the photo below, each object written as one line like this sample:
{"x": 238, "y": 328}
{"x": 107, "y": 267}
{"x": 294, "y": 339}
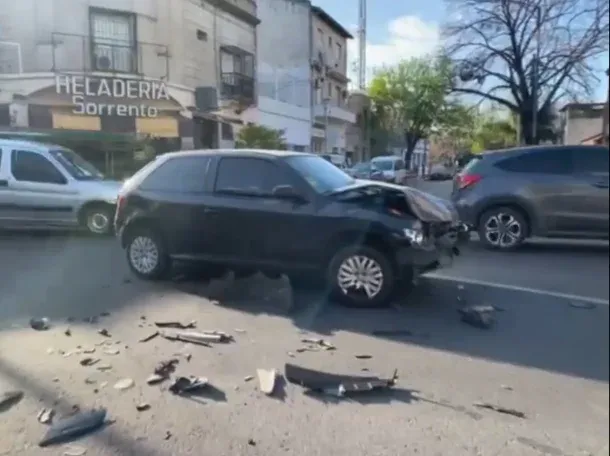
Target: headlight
{"x": 415, "y": 236}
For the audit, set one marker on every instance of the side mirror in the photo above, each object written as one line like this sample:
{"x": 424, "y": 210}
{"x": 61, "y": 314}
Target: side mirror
{"x": 287, "y": 192}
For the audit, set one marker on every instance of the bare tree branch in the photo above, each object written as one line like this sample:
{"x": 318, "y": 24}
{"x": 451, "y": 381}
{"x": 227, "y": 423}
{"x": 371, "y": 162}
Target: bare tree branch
{"x": 514, "y": 52}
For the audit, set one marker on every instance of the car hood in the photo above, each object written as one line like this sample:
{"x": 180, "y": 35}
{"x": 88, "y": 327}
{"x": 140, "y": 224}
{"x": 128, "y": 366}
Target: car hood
{"x": 107, "y": 190}
{"x": 426, "y": 207}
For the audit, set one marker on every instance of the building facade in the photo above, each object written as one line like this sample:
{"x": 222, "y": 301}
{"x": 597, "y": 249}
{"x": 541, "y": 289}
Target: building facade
{"x": 331, "y": 115}
{"x": 283, "y": 71}
{"x": 181, "y": 70}
{"x": 582, "y": 122}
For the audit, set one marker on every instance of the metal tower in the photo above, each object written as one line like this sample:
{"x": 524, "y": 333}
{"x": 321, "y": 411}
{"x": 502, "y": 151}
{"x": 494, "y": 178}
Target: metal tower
{"x": 362, "y": 44}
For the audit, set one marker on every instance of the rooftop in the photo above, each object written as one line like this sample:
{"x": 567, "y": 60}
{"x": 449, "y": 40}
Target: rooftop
{"x": 331, "y": 22}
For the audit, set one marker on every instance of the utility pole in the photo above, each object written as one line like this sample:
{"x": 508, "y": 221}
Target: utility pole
{"x": 606, "y": 117}
{"x": 325, "y": 103}
{"x": 362, "y": 45}
{"x": 535, "y": 82}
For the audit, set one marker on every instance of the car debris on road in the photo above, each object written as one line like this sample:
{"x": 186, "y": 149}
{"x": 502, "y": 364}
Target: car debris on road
{"x": 40, "y": 324}
{"x": 185, "y": 385}
{"x": 500, "y": 409}
{"x": 9, "y": 398}
{"x": 176, "y": 324}
{"x": 337, "y": 385}
{"x": 267, "y": 380}
{"x": 76, "y": 425}
{"x": 199, "y": 338}
{"x": 478, "y": 316}
{"x": 45, "y": 416}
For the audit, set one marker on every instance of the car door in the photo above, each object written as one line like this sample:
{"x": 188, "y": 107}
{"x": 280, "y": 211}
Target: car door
{"x": 40, "y": 192}
{"x": 5, "y": 200}
{"x": 591, "y": 172}
{"x": 174, "y": 194}
{"x": 234, "y": 210}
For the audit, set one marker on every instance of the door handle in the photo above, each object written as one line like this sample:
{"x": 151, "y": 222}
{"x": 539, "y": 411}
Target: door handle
{"x": 601, "y": 184}
{"x": 3, "y": 183}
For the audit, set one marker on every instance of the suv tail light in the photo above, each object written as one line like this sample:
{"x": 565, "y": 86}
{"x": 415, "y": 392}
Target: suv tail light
{"x": 467, "y": 180}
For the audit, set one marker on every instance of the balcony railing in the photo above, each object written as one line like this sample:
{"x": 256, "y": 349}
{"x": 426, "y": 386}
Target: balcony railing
{"x": 235, "y": 86}
{"x": 84, "y": 53}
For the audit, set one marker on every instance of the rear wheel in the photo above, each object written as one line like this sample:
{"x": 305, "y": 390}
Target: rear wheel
{"x": 503, "y": 228}
{"x": 146, "y": 254}
{"x": 361, "y": 276}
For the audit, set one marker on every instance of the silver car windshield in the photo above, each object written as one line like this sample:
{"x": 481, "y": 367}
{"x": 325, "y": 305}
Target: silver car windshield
{"x": 75, "y": 165}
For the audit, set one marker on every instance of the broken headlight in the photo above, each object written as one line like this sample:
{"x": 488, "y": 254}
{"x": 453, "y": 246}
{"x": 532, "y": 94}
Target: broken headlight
{"x": 414, "y": 235}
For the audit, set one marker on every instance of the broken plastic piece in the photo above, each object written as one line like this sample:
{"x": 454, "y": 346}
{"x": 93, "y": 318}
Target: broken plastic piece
{"x": 39, "y": 324}
{"x": 183, "y": 385}
{"x": 124, "y": 384}
{"x": 74, "y": 426}
{"x": 45, "y": 416}
{"x": 10, "y": 398}
{"x": 266, "y": 380}
{"x": 149, "y": 337}
{"x": 338, "y": 385}
{"x": 199, "y": 338}
{"x": 478, "y": 316}
{"x": 499, "y": 409}
{"x": 175, "y": 324}
{"x": 165, "y": 368}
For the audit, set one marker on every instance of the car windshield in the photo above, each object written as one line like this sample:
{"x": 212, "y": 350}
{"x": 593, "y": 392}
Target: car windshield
{"x": 384, "y": 165}
{"x": 77, "y": 166}
{"x": 322, "y": 175}
{"x": 362, "y": 167}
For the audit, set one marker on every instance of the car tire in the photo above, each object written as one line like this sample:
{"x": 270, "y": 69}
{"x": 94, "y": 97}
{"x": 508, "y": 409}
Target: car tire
{"x": 97, "y": 220}
{"x": 343, "y": 268}
{"x": 503, "y": 228}
{"x": 147, "y": 255}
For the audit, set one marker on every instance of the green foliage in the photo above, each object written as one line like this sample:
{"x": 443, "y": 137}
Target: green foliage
{"x": 259, "y": 137}
{"x": 494, "y": 133}
{"x": 411, "y": 97}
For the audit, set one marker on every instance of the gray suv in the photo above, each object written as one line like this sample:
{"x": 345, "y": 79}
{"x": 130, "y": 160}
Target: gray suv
{"x": 546, "y": 191}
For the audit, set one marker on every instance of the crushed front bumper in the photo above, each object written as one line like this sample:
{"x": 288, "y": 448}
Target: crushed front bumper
{"x": 415, "y": 260}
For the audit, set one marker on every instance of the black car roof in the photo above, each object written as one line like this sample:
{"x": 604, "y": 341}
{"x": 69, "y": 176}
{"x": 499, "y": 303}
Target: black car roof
{"x": 238, "y": 152}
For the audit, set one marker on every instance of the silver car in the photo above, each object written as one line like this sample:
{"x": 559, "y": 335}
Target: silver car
{"x": 48, "y": 186}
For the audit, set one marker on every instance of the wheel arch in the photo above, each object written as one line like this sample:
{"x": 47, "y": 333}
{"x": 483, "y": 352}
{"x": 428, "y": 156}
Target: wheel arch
{"x": 516, "y": 204}
{"x": 82, "y": 212}
{"x": 371, "y": 238}
{"x": 139, "y": 222}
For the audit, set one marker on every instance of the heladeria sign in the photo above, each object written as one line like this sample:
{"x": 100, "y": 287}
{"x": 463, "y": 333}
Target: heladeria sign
{"x": 86, "y": 92}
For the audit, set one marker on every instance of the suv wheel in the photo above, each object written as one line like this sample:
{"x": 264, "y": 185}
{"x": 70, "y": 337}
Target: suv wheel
{"x": 503, "y": 228}
{"x": 146, "y": 255}
{"x": 361, "y": 277}
{"x": 98, "y": 220}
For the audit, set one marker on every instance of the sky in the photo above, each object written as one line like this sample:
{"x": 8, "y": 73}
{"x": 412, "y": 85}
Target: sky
{"x": 397, "y": 30}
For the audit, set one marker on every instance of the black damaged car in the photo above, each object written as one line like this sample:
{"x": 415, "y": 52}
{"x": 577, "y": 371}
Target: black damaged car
{"x": 278, "y": 212}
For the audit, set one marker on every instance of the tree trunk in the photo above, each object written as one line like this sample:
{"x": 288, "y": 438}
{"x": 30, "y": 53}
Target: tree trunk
{"x": 411, "y": 141}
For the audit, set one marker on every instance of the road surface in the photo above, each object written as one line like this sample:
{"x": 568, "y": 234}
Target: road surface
{"x": 545, "y": 358}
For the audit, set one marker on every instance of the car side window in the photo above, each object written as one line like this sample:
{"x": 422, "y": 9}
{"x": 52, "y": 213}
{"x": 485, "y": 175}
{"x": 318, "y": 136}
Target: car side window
{"x": 547, "y": 161}
{"x": 29, "y": 166}
{"x": 592, "y": 160}
{"x": 249, "y": 176}
{"x": 178, "y": 175}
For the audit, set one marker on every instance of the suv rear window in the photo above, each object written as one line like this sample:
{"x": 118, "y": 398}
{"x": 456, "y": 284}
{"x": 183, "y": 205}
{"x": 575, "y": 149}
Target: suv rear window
{"x": 545, "y": 161}
{"x": 179, "y": 175}
{"x": 471, "y": 164}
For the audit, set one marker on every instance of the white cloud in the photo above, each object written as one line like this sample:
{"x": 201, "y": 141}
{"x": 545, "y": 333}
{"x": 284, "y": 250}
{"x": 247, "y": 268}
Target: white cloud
{"x": 408, "y": 36}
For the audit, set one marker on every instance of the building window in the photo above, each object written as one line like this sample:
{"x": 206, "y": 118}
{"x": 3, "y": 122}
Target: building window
{"x": 330, "y": 91}
{"x": 321, "y": 38}
{"x": 239, "y": 64}
{"x": 339, "y": 55}
{"x": 330, "y": 42}
{"x": 113, "y": 41}
{"x": 339, "y": 95}
{"x": 237, "y": 73}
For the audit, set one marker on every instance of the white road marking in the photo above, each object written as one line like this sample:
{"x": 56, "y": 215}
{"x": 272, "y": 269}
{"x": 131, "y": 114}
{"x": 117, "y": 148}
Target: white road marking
{"x": 503, "y": 286}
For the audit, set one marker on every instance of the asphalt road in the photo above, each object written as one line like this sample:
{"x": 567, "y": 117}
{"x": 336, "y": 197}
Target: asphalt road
{"x": 545, "y": 358}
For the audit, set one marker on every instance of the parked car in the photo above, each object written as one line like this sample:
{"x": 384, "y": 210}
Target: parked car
{"x": 48, "y": 186}
{"x": 440, "y": 172}
{"x": 547, "y": 191}
{"x": 362, "y": 170}
{"x": 390, "y": 169}
{"x": 289, "y": 213}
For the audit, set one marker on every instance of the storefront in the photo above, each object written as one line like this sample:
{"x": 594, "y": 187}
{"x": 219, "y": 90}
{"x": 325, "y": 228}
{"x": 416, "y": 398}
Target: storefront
{"x": 90, "y": 106}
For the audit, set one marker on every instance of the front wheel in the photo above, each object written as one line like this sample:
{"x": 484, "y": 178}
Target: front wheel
{"x": 503, "y": 228}
{"x": 361, "y": 277}
{"x": 98, "y": 220}
{"x": 146, "y": 255}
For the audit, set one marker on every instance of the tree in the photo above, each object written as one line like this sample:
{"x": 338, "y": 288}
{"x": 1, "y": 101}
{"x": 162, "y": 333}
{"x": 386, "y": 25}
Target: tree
{"x": 254, "y": 136}
{"x": 411, "y": 98}
{"x": 458, "y": 123}
{"x": 527, "y": 54}
{"x": 494, "y": 132}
